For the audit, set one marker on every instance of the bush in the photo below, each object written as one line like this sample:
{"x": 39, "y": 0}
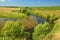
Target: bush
{"x": 40, "y": 31}
{"x": 13, "y": 29}
{"x": 53, "y": 32}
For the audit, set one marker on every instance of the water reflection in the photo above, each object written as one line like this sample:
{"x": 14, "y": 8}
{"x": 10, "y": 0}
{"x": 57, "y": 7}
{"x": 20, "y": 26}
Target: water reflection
{"x": 39, "y": 19}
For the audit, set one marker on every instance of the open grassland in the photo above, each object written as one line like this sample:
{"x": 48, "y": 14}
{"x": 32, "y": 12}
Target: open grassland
{"x": 8, "y": 13}
{"x": 8, "y": 10}
{"x": 43, "y": 11}
{"x": 41, "y": 30}
{"x": 46, "y": 12}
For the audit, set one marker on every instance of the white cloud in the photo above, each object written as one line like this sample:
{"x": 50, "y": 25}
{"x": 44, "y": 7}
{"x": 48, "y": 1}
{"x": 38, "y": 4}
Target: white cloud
{"x": 2, "y": 0}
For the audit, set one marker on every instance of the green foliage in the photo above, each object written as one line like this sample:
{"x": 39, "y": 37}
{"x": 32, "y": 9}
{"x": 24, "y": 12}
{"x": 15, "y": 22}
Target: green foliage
{"x": 50, "y": 35}
{"x": 52, "y": 17}
{"x": 12, "y": 15}
{"x": 25, "y": 10}
{"x": 20, "y": 11}
{"x": 13, "y": 29}
{"x": 5, "y": 38}
{"x": 56, "y": 28}
{"x": 9, "y": 38}
{"x": 40, "y": 31}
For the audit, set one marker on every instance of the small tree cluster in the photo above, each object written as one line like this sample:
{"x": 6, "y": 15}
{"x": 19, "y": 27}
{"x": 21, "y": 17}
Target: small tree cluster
{"x": 14, "y": 30}
{"x": 25, "y": 10}
{"x": 40, "y": 31}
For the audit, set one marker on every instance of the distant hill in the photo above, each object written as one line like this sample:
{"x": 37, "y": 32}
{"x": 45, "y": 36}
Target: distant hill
{"x": 36, "y": 7}
{"x": 9, "y": 7}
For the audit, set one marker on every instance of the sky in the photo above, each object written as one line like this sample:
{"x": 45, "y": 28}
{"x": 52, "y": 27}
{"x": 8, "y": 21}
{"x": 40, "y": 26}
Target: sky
{"x": 29, "y": 2}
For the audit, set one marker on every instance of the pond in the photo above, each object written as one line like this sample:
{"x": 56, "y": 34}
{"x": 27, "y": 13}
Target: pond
{"x": 39, "y": 19}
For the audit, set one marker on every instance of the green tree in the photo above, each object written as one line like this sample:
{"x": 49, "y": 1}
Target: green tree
{"x": 13, "y": 29}
{"x": 40, "y": 31}
{"x": 25, "y": 10}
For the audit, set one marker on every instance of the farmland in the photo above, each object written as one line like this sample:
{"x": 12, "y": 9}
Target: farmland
{"x": 31, "y": 23}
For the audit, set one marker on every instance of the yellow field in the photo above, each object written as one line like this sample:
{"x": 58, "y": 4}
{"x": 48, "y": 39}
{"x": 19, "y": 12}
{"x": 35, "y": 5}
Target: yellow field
{"x": 8, "y": 10}
{"x": 44, "y": 12}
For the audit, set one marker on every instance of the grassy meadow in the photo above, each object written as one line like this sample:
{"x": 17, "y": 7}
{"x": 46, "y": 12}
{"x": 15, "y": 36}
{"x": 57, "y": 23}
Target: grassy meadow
{"x": 26, "y": 26}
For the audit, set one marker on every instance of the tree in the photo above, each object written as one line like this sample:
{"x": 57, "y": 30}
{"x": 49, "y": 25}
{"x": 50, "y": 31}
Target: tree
{"x": 25, "y": 10}
{"x": 40, "y": 31}
{"x": 13, "y": 29}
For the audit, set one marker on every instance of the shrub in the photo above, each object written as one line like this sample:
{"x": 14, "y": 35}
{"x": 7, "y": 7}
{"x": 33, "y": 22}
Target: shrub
{"x": 13, "y": 29}
{"x": 51, "y": 35}
{"x": 40, "y": 31}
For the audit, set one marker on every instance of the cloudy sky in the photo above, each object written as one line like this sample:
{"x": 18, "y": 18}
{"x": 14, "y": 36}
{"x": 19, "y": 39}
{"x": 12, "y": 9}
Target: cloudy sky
{"x": 29, "y": 2}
